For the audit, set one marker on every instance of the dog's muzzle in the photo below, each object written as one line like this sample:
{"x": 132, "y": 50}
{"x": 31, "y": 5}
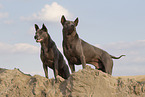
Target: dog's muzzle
{"x": 39, "y": 40}
{"x": 36, "y": 38}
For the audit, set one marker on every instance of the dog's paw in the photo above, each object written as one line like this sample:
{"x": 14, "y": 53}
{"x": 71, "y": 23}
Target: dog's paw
{"x": 59, "y": 79}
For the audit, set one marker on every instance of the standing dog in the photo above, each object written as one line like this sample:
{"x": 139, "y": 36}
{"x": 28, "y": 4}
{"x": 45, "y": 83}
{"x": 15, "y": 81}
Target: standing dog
{"x": 79, "y": 52}
{"x": 50, "y": 55}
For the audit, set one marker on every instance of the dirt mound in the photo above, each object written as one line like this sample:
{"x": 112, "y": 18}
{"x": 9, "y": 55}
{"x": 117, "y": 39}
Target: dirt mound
{"x": 84, "y": 83}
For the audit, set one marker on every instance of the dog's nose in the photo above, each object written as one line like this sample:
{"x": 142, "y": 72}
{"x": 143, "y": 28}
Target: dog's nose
{"x": 72, "y": 25}
{"x": 35, "y": 37}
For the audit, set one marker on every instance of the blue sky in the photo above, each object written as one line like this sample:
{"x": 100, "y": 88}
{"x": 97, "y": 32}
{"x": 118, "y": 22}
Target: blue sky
{"x": 115, "y": 26}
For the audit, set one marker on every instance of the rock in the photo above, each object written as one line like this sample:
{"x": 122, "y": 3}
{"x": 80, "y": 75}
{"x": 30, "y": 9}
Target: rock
{"x": 84, "y": 83}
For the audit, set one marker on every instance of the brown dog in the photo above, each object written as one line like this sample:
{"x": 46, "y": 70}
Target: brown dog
{"x": 79, "y": 52}
{"x": 50, "y": 55}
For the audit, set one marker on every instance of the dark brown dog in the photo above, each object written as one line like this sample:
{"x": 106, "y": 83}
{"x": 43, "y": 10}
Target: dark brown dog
{"x": 50, "y": 55}
{"x": 79, "y": 52}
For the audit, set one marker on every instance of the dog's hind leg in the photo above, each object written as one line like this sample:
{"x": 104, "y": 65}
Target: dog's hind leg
{"x": 108, "y": 65}
{"x": 45, "y": 70}
{"x": 65, "y": 72}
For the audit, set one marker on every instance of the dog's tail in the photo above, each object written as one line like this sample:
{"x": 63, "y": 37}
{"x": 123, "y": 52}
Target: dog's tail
{"x": 116, "y": 57}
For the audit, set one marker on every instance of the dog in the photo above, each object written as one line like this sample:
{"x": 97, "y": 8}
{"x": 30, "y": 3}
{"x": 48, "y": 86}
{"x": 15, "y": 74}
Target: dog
{"x": 77, "y": 51}
{"x": 50, "y": 56}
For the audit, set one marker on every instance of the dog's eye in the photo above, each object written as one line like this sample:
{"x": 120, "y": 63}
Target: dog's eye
{"x": 40, "y": 32}
{"x": 67, "y": 23}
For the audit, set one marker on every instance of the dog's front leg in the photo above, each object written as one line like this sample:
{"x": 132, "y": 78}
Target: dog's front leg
{"x": 72, "y": 67}
{"x": 56, "y": 70}
{"x": 45, "y": 70}
{"x": 82, "y": 57}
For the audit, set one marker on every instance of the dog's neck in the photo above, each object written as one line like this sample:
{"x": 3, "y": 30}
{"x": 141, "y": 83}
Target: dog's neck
{"x": 47, "y": 44}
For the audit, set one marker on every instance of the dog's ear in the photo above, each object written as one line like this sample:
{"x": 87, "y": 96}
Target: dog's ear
{"x": 36, "y": 27}
{"x": 76, "y": 21}
{"x": 44, "y": 28}
{"x": 63, "y": 20}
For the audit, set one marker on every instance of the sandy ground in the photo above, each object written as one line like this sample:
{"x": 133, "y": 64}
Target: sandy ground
{"x": 84, "y": 83}
{"x": 139, "y": 78}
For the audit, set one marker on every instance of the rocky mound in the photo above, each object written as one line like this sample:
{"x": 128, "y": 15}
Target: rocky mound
{"x": 84, "y": 83}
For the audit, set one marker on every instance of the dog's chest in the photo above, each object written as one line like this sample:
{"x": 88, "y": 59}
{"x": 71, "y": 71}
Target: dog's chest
{"x": 47, "y": 58}
{"x": 68, "y": 49}
{"x": 71, "y": 54}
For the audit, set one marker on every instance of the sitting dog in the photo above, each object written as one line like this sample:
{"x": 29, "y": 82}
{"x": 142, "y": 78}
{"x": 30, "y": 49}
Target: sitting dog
{"x": 50, "y": 55}
{"x": 77, "y": 51}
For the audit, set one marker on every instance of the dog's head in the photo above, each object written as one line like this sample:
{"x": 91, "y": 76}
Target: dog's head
{"x": 69, "y": 26}
{"x": 41, "y": 34}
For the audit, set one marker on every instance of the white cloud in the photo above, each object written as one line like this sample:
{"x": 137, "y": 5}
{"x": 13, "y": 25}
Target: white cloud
{"x": 51, "y": 13}
{"x": 18, "y": 48}
{"x": 4, "y": 14}
{"x": 1, "y": 6}
{"x": 24, "y": 48}
{"x": 8, "y": 21}
{"x": 125, "y": 45}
